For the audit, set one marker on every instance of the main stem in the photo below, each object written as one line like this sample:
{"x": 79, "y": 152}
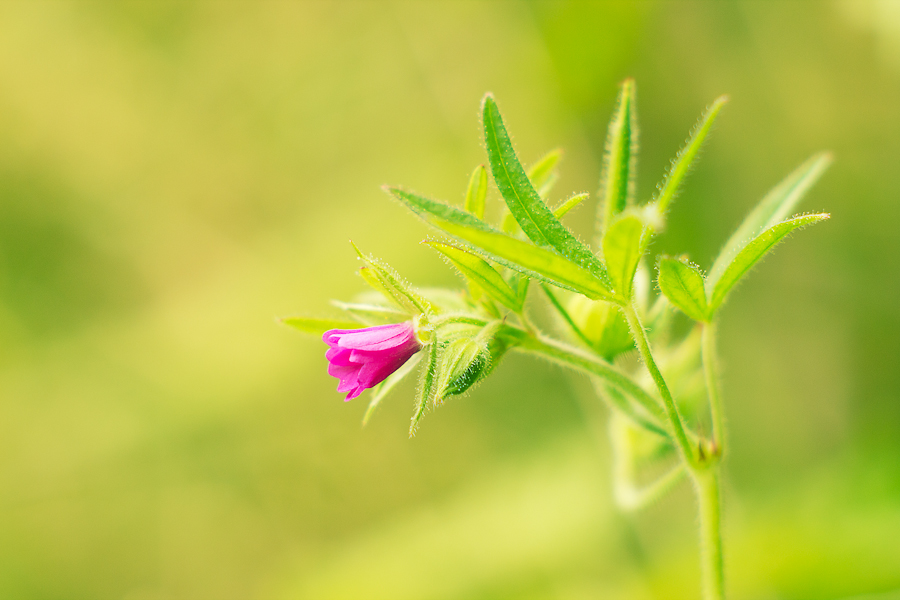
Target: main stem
{"x": 704, "y": 469}
{"x": 706, "y": 484}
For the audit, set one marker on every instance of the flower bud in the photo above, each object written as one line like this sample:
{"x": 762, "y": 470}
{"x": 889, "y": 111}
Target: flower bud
{"x": 603, "y": 324}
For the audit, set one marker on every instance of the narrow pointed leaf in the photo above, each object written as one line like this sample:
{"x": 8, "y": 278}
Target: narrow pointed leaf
{"x": 772, "y": 209}
{"x": 685, "y": 157}
{"x": 521, "y": 256}
{"x": 481, "y": 272}
{"x": 426, "y": 386}
{"x": 622, "y": 250}
{"x": 384, "y": 388}
{"x": 543, "y": 173}
{"x": 682, "y": 284}
{"x": 533, "y": 216}
{"x": 569, "y": 204}
{"x": 534, "y": 261}
{"x": 753, "y": 252}
{"x": 315, "y": 326}
{"x": 384, "y": 279}
{"x": 477, "y": 192}
{"x": 620, "y": 158}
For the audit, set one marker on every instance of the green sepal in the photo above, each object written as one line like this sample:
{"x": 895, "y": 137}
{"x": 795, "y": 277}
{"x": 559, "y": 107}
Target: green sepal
{"x": 426, "y": 385}
{"x": 385, "y": 280}
{"x": 382, "y": 389}
{"x": 773, "y": 208}
{"x": 682, "y": 283}
{"x": 316, "y": 326}
{"x": 477, "y": 269}
{"x": 752, "y": 253}
{"x": 477, "y": 192}
{"x": 685, "y": 157}
{"x": 622, "y": 250}
{"x": 533, "y": 216}
{"x": 464, "y": 362}
{"x": 620, "y": 158}
{"x": 518, "y": 255}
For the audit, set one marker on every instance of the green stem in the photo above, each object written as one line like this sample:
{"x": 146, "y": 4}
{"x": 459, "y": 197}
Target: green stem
{"x": 710, "y": 368}
{"x": 675, "y": 421}
{"x": 706, "y": 483}
{"x": 573, "y": 357}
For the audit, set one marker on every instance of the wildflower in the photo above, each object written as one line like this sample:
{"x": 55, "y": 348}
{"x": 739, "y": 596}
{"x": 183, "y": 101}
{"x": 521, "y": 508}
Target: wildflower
{"x": 363, "y": 358}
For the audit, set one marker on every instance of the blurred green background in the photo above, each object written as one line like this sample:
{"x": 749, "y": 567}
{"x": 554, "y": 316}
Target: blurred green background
{"x": 174, "y": 175}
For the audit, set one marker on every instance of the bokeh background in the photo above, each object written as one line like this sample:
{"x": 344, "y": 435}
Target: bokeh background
{"x": 174, "y": 175}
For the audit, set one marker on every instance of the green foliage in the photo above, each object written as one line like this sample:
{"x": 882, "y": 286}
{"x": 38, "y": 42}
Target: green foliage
{"x": 533, "y": 216}
{"x": 543, "y": 174}
{"x": 477, "y": 192}
{"x": 773, "y": 208}
{"x": 682, "y": 283}
{"x": 569, "y": 204}
{"x": 658, "y": 437}
{"x": 426, "y": 385}
{"x": 752, "y": 253}
{"x": 541, "y": 263}
{"x": 620, "y": 157}
{"x": 384, "y": 279}
{"x": 685, "y": 158}
{"x": 482, "y": 273}
{"x": 622, "y": 251}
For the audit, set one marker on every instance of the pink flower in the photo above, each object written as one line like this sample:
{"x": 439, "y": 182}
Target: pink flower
{"x": 363, "y": 358}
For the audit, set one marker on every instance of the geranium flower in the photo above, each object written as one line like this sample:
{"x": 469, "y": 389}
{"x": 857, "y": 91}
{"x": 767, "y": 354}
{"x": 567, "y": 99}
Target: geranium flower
{"x": 363, "y": 358}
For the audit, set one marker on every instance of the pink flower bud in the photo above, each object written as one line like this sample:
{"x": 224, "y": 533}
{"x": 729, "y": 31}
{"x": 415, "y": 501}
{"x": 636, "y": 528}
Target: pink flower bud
{"x": 363, "y": 358}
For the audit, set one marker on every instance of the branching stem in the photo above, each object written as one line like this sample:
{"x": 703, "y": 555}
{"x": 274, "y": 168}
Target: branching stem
{"x": 710, "y": 368}
{"x": 676, "y": 423}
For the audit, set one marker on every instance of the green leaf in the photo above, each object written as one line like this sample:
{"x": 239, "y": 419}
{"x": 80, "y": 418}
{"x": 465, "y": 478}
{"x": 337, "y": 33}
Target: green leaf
{"x": 508, "y": 222}
{"x": 385, "y": 280}
{"x": 383, "y": 389}
{"x": 622, "y": 251}
{"x": 426, "y": 386}
{"x": 682, "y": 283}
{"x": 314, "y": 326}
{"x": 685, "y": 157}
{"x": 540, "y": 263}
{"x": 430, "y": 210}
{"x": 533, "y": 216}
{"x": 534, "y": 261}
{"x": 543, "y": 174}
{"x": 753, "y": 252}
{"x": 772, "y": 209}
{"x": 481, "y": 272}
{"x": 569, "y": 204}
{"x": 477, "y": 192}
{"x": 620, "y": 157}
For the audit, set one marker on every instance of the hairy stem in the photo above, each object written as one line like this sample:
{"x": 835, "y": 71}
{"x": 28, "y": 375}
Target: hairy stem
{"x": 710, "y": 368}
{"x": 675, "y": 421}
{"x": 706, "y": 483}
{"x": 582, "y": 361}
